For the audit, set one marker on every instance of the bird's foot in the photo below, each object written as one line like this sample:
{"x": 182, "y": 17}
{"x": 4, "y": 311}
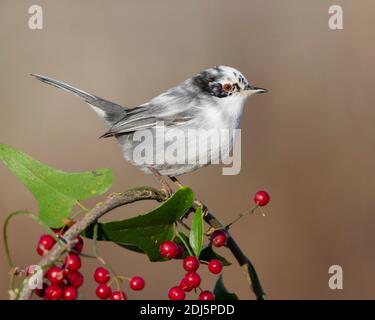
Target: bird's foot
{"x": 176, "y": 181}
{"x": 165, "y": 187}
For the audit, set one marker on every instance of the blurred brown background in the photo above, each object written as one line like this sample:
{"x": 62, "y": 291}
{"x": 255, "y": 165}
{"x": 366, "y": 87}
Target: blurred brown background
{"x": 309, "y": 142}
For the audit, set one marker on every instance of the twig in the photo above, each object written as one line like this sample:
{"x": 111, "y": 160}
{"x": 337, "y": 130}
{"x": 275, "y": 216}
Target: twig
{"x": 240, "y": 216}
{"x": 112, "y": 202}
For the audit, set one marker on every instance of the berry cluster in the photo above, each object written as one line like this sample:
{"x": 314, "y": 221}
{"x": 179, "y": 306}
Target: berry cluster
{"x": 103, "y": 291}
{"x": 61, "y": 281}
{"x": 192, "y": 280}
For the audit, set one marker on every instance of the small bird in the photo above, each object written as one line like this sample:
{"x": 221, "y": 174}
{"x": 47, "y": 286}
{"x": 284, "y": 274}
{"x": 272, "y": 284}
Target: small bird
{"x": 213, "y": 99}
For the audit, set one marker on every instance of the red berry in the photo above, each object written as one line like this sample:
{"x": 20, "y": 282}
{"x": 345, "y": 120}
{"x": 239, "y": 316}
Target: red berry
{"x": 184, "y": 286}
{"x": 206, "y": 295}
{"x": 54, "y": 292}
{"x": 103, "y": 291}
{"x": 55, "y": 275}
{"x": 45, "y": 243}
{"x": 261, "y": 198}
{"x": 72, "y": 262}
{"x": 190, "y": 263}
{"x": 79, "y": 245}
{"x": 56, "y": 230}
{"x": 101, "y": 275}
{"x": 118, "y": 295}
{"x": 75, "y": 279}
{"x": 215, "y": 266}
{"x": 70, "y": 293}
{"x": 67, "y": 273}
{"x": 169, "y": 249}
{"x": 192, "y": 279}
{"x": 176, "y": 293}
{"x": 219, "y": 238}
{"x": 41, "y": 292}
{"x": 137, "y": 283}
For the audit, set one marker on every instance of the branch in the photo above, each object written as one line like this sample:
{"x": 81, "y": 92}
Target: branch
{"x": 112, "y": 202}
{"x": 241, "y": 258}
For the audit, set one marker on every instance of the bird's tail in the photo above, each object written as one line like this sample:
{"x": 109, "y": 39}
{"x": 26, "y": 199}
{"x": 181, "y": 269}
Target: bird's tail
{"x": 109, "y": 111}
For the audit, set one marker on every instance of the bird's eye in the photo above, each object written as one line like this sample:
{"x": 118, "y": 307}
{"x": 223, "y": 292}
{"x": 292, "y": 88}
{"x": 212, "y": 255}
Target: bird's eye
{"x": 227, "y": 87}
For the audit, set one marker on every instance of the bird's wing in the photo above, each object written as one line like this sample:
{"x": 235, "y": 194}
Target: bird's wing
{"x": 143, "y": 117}
{"x": 173, "y": 108}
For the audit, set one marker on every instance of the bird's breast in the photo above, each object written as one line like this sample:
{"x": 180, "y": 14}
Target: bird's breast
{"x": 226, "y": 114}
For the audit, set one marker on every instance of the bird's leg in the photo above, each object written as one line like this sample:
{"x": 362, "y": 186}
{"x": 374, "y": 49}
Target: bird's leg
{"x": 175, "y": 181}
{"x": 164, "y": 184}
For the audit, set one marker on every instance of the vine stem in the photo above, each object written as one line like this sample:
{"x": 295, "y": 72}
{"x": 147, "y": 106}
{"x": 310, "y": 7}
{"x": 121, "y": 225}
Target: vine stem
{"x": 5, "y": 231}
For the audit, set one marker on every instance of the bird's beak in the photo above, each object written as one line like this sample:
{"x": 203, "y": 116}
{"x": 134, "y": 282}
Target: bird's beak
{"x": 251, "y": 89}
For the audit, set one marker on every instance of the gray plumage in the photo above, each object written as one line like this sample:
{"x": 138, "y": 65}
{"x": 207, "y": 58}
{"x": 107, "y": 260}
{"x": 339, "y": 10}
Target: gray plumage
{"x": 213, "y": 99}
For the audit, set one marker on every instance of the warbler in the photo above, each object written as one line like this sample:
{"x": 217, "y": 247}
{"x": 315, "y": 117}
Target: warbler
{"x": 212, "y": 100}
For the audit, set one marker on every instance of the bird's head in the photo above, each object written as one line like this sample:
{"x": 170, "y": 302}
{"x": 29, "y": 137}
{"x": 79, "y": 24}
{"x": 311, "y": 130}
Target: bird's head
{"x": 222, "y": 82}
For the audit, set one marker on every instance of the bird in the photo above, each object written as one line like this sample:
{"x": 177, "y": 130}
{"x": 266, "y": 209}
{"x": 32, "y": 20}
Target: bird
{"x": 212, "y": 99}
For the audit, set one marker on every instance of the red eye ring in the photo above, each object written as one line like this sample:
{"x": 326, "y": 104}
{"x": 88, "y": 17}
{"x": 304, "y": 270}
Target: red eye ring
{"x": 227, "y": 87}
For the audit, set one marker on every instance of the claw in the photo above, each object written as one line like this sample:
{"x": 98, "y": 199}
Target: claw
{"x": 165, "y": 188}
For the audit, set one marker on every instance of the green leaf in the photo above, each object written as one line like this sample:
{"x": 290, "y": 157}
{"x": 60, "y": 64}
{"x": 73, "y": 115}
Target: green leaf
{"x": 197, "y": 232}
{"x": 146, "y": 232}
{"x": 221, "y": 293}
{"x": 56, "y": 191}
{"x": 207, "y": 254}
